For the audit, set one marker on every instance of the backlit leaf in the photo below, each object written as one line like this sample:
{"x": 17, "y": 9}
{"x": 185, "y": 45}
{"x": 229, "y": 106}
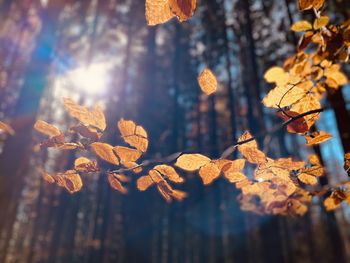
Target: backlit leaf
{"x": 209, "y": 173}
{"x": 307, "y": 179}
{"x": 276, "y": 75}
{"x": 192, "y": 162}
{"x": 6, "y": 128}
{"x": 133, "y": 134}
{"x": 321, "y": 22}
{"x": 317, "y": 138}
{"x": 73, "y": 182}
{"x": 158, "y": 12}
{"x": 46, "y": 128}
{"x": 126, "y": 154}
{"x": 301, "y": 26}
{"x": 207, "y": 82}
{"x": 347, "y": 163}
{"x": 250, "y": 149}
{"x": 170, "y": 173}
{"x": 116, "y": 184}
{"x": 144, "y": 182}
{"x": 85, "y": 165}
{"x": 183, "y": 9}
{"x": 309, "y": 4}
{"x": 105, "y": 152}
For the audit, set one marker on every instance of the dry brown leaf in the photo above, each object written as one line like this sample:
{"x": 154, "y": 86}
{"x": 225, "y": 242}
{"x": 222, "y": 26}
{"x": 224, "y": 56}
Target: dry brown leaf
{"x": 183, "y": 9}
{"x": 317, "y": 138}
{"x": 207, "y": 82}
{"x": 72, "y": 181}
{"x": 192, "y": 162}
{"x": 209, "y": 173}
{"x": 301, "y": 26}
{"x": 169, "y": 172}
{"x": 144, "y": 182}
{"x": 126, "y": 154}
{"x": 47, "y": 129}
{"x": 116, "y": 184}
{"x": 133, "y": 134}
{"x": 93, "y": 118}
{"x": 6, "y": 128}
{"x": 105, "y": 152}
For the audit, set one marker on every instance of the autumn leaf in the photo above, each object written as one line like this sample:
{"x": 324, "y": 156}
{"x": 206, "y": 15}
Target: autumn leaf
{"x": 192, "y": 162}
{"x": 105, "y": 152}
{"x": 207, "y": 82}
{"x": 133, "y": 134}
{"x": 116, "y": 184}
{"x": 301, "y": 26}
{"x": 183, "y": 9}
{"x": 169, "y": 173}
{"x": 232, "y": 169}
{"x": 209, "y": 173}
{"x": 85, "y": 165}
{"x": 126, "y": 154}
{"x": 276, "y": 75}
{"x": 144, "y": 182}
{"x": 88, "y": 117}
{"x": 283, "y": 96}
{"x": 309, "y": 4}
{"x": 72, "y": 181}
{"x": 249, "y": 149}
{"x": 317, "y": 137}
{"x": 158, "y": 12}
{"x": 47, "y": 177}
{"x": 334, "y": 200}
{"x": 46, "y": 128}
{"x": 6, "y": 128}
{"x": 307, "y": 179}
{"x": 321, "y": 22}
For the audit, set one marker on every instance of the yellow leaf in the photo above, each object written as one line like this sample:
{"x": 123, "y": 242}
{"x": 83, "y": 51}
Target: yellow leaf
{"x": 169, "y": 172}
{"x": 6, "y": 128}
{"x": 301, "y": 26}
{"x": 133, "y": 134}
{"x": 317, "y": 138}
{"x": 94, "y": 118}
{"x": 158, "y": 12}
{"x": 235, "y": 177}
{"x": 144, "y": 182}
{"x": 283, "y": 96}
{"x": 126, "y": 154}
{"x": 207, "y": 82}
{"x": 321, "y": 22}
{"x": 276, "y": 75}
{"x": 183, "y": 9}
{"x": 46, "y": 128}
{"x": 209, "y": 173}
{"x": 116, "y": 184}
{"x": 331, "y": 203}
{"x": 105, "y": 152}
{"x": 192, "y": 162}
{"x": 314, "y": 171}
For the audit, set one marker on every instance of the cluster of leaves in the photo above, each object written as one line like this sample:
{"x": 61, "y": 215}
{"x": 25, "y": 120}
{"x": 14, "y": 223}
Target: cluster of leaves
{"x": 276, "y": 186}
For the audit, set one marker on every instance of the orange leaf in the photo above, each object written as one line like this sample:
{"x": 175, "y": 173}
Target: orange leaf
{"x": 170, "y": 173}
{"x": 144, "y": 182}
{"x": 250, "y": 149}
{"x": 309, "y": 4}
{"x": 126, "y": 154}
{"x": 158, "y": 12}
{"x": 46, "y": 128}
{"x": 192, "y": 162}
{"x": 209, "y": 173}
{"x": 207, "y": 82}
{"x": 133, "y": 134}
{"x": 72, "y": 181}
{"x": 301, "y": 26}
{"x": 317, "y": 138}
{"x": 115, "y": 183}
{"x": 85, "y": 165}
{"x": 183, "y": 9}
{"x": 105, "y": 152}
{"x": 6, "y": 128}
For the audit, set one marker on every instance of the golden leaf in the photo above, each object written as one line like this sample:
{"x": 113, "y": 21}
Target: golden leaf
{"x": 192, "y": 162}
{"x": 169, "y": 172}
{"x": 126, "y": 154}
{"x": 165, "y": 191}
{"x": 133, "y": 134}
{"x": 183, "y": 9}
{"x": 105, "y": 152}
{"x": 335, "y": 78}
{"x": 47, "y": 177}
{"x": 158, "y": 12}
{"x": 301, "y": 26}
{"x": 307, "y": 179}
{"x": 347, "y": 163}
{"x": 314, "y": 160}
{"x": 235, "y": 177}
{"x": 317, "y": 138}
{"x": 207, "y": 82}
{"x": 309, "y": 4}
{"x": 72, "y": 181}
{"x": 209, "y": 173}
{"x": 116, "y": 184}
{"x": 94, "y": 118}
{"x": 321, "y": 22}
{"x": 47, "y": 129}
{"x": 314, "y": 171}
{"x": 178, "y": 195}
{"x": 250, "y": 149}
{"x": 6, "y": 128}
{"x": 136, "y": 167}
{"x": 85, "y": 165}
{"x": 144, "y": 182}
{"x": 156, "y": 176}
{"x": 283, "y": 96}
{"x": 87, "y": 132}
{"x": 276, "y": 75}
{"x": 331, "y": 203}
